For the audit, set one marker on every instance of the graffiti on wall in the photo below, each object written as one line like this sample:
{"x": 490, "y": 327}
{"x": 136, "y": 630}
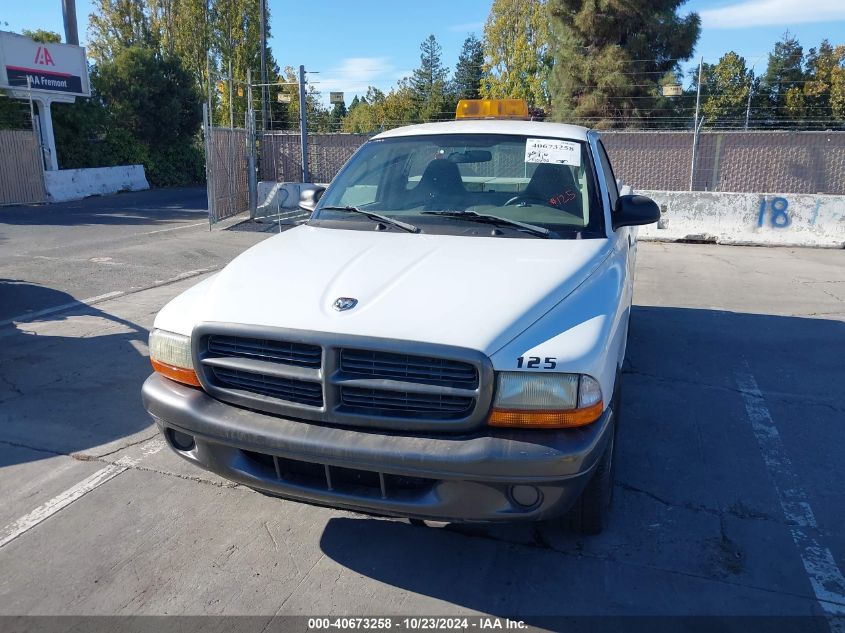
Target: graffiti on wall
{"x": 774, "y": 212}
{"x": 785, "y": 219}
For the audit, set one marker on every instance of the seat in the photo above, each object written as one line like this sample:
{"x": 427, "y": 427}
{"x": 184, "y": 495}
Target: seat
{"x": 440, "y": 180}
{"x": 555, "y": 185}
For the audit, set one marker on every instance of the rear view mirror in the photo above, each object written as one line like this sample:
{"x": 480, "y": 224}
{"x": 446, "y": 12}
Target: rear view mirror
{"x": 634, "y": 211}
{"x": 471, "y": 156}
{"x": 308, "y": 198}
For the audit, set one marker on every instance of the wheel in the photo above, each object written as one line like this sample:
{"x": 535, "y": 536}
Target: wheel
{"x": 590, "y": 513}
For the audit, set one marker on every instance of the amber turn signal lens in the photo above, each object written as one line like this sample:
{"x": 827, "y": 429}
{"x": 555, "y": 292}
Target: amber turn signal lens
{"x": 492, "y": 109}
{"x": 179, "y": 374}
{"x": 546, "y": 419}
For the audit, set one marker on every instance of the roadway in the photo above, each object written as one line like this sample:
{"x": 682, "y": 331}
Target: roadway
{"x": 729, "y": 496}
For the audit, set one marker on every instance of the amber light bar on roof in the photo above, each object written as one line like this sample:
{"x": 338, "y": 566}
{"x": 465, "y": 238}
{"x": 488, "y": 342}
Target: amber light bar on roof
{"x": 492, "y": 109}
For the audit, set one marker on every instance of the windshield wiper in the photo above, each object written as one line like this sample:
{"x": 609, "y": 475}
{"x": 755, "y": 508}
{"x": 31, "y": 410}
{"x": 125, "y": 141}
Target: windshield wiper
{"x": 472, "y": 216}
{"x": 378, "y": 217}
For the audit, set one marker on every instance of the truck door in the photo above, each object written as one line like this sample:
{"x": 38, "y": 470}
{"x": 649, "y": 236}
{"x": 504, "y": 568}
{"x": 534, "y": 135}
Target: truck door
{"x": 626, "y": 235}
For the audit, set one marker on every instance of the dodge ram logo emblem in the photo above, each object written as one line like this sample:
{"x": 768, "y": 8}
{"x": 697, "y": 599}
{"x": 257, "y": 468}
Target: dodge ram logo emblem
{"x": 341, "y": 304}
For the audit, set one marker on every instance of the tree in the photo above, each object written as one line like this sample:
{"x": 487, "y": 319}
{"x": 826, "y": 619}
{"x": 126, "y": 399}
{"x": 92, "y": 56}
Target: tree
{"x": 117, "y": 24}
{"x": 469, "y": 70}
{"x": 40, "y": 35}
{"x": 428, "y": 82}
{"x": 516, "y": 51}
{"x": 780, "y": 100}
{"x": 608, "y": 61}
{"x": 823, "y": 89}
{"x": 837, "y": 87}
{"x": 400, "y": 107}
{"x": 339, "y": 113}
{"x": 724, "y": 89}
{"x": 374, "y": 96}
{"x": 362, "y": 119}
{"x": 151, "y": 96}
{"x": 190, "y": 25}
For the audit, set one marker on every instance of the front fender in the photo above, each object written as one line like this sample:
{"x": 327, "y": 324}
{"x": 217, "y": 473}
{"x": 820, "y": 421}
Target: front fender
{"x": 583, "y": 334}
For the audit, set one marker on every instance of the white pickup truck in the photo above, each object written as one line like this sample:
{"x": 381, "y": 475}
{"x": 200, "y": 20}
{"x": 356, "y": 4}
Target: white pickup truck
{"x": 441, "y": 340}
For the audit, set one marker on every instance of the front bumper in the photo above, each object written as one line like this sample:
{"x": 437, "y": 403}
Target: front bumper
{"x": 437, "y": 477}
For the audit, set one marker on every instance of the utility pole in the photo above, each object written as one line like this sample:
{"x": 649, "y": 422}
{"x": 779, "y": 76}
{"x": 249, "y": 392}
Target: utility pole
{"x": 249, "y": 126}
{"x": 750, "y": 92}
{"x": 695, "y": 125}
{"x": 69, "y": 15}
{"x": 231, "y": 99}
{"x": 303, "y": 126}
{"x": 264, "y": 93}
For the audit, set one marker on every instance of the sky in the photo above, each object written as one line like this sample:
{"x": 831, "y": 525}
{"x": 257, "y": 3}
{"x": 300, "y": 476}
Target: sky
{"x": 376, "y": 42}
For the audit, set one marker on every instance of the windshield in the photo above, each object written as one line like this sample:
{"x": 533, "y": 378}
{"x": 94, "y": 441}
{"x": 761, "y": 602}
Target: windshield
{"x": 488, "y": 184}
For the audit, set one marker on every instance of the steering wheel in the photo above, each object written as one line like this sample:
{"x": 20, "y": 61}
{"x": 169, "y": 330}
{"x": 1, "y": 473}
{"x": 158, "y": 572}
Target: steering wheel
{"x": 523, "y": 198}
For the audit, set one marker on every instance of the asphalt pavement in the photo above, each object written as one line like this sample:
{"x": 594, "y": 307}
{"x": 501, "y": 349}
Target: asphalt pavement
{"x": 730, "y": 487}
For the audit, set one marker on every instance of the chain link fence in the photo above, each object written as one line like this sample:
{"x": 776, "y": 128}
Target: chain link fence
{"x": 734, "y": 161}
{"x": 21, "y": 157}
{"x": 227, "y": 171}
{"x": 327, "y": 153}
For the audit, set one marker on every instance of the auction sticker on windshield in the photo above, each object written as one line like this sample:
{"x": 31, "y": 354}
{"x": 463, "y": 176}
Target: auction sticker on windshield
{"x": 542, "y": 150}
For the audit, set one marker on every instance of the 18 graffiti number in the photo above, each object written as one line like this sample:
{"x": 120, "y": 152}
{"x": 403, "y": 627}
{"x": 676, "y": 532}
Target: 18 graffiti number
{"x": 778, "y": 218}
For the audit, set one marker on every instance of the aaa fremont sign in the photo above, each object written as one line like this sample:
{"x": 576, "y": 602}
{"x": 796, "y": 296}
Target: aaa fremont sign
{"x": 43, "y": 67}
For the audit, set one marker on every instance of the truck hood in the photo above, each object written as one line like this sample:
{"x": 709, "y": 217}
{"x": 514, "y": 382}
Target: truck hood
{"x": 472, "y": 292}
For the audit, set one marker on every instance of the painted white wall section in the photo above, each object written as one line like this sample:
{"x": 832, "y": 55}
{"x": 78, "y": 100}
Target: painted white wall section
{"x": 776, "y": 219}
{"x": 74, "y": 184}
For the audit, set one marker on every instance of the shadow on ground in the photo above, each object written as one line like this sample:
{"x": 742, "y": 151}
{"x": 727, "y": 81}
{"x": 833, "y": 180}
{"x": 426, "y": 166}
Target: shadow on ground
{"x": 157, "y": 206}
{"x": 69, "y": 381}
{"x": 696, "y": 525}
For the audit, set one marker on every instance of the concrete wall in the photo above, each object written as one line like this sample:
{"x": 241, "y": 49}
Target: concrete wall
{"x": 280, "y": 200}
{"x": 780, "y": 219}
{"x": 75, "y": 184}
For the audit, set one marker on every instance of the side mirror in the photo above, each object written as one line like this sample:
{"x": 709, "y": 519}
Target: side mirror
{"x": 309, "y": 197}
{"x": 634, "y": 211}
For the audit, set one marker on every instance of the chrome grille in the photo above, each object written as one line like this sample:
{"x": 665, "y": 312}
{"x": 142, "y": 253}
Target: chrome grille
{"x": 381, "y": 402}
{"x": 410, "y": 368}
{"x": 344, "y": 380}
{"x": 285, "y": 352}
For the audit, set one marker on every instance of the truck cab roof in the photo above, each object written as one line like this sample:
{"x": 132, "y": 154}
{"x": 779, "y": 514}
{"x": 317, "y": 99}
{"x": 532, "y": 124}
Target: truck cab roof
{"x": 491, "y": 126}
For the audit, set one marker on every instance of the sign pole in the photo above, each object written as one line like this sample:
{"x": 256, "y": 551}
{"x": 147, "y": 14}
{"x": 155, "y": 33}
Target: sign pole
{"x": 69, "y": 15}
{"x": 696, "y": 126}
{"x": 231, "y": 99}
{"x": 303, "y": 126}
{"x": 264, "y": 92}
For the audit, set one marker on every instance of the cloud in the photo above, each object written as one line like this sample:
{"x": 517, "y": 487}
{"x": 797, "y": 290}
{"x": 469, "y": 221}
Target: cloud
{"x": 468, "y": 27}
{"x": 355, "y": 74}
{"x": 772, "y": 13}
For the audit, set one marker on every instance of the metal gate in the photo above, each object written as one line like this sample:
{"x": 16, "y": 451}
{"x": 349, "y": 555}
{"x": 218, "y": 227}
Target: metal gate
{"x": 229, "y": 168}
{"x": 21, "y": 168}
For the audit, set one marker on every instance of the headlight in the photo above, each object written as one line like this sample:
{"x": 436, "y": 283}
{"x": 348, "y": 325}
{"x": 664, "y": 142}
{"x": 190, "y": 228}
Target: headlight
{"x": 547, "y": 400}
{"x": 170, "y": 355}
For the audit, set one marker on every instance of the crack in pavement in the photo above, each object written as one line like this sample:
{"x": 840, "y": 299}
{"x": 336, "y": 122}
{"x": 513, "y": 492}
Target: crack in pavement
{"x": 579, "y": 552}
{"x": 782, "y": 397}
{"x": 34, "y": 448}
{"x": 737, "y": 510}
{"x": 84, "y": 457}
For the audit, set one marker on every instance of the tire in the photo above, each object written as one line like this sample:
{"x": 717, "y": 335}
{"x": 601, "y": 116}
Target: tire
{"x": 589, "y": 515}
